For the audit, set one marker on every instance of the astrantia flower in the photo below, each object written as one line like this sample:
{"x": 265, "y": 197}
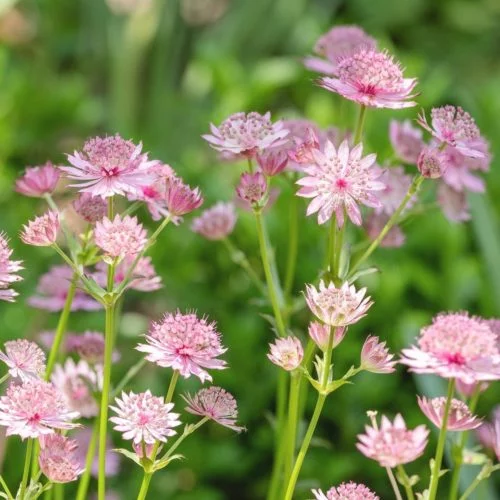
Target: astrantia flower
{"x": 91, "y": 208}
{"x": 89, "y": 346}
{"x": 58, "y": 460}
{"x": 144, "y": 417}
{"x": 460, "y": 417}
{"x": 431, "y": 162}
{"x": 453, "y": 203}
{"x": 339, "y": 41}
{"x": 252, "y": 187}
{"x": 406, "y": 140}
{"x": 246, "y": 134}
{"x": 217, "y": 222}
{"x": 347, "y": 491}
{"x": 375, "y": 356}
{"x": 304, "y": 139}
{"x": 374, "y": 225}
{"x": 33, "y": 409}
{"x": 24, "y": 359}
{"x": 38, "y": 181}
{"x": 272, "y": 163}
{"x": 337, "y": 306}
{"x": 396, "y": 183}
{"x": 454, "y": 126}
{"x": 393, "y": 444}
{"x": 338, "y": 180}
{"x": 77, "y": 382}
{"x": 286, "y": 353}
{"x": 180, "y": 198}
{"x": 41, "y": 231}
{"x": 320, "y": 334}
{"x": 109, "y": 165}
{"x": 8, "y": 268}
{"x": 216, "y": 404}
{"x": 185, "y": 343}
{"x": 52, "y": 291}
{"x": 120, "y": 237}
{"x": 456, "y": 345}
{"x": 373, "y": 79}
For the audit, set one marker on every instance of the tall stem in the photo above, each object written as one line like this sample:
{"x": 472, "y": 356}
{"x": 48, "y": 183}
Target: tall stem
{"x": 394, "y": 483}
{"x": 293, "y": 243}
{"x": 291, "y": 431}
{"x": 144, "y": 485}
{"x": 406, "y": 483}
{"x": 360, "y": 124}
{"x": 26, "y": 470}
{"x": 85, "y": 477}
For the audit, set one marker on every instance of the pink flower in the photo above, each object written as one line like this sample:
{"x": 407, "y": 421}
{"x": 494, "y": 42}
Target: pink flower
{"x": 217, "y": 222}
{"x": 339, "y": 180}
{"x": 216, "y": 404}
{"x": 393, "y": 444}
{"x": 8, "y": 268}
{"x": 252, "y": 187}
{"x": 109, "y": 166}
{"x": 320, "y": 334}
{"x": 272, "y": 163}
{"x": 34, "y": 408}
{"x": 185, "y": 343}
{"x": 305, "y": 142}
{"x": 120, "y": 237}
{"x": 89, "y": 346}
{"x": 38, "y": 181}
{"x": 431, "y": 162}
{"x": 460, "y": 417}
{"x": 375, "y": 356}
{"x": 453, "y": 203}
{"x": 246, "y": 134}
{"x": 339, "y": 42}
{"x": 454, "y": 126}
{"x": 468, "y": 390}
{"x": 77, "y": 383}
{"x": 488, "y": 433}
{"x": 374, "y": 225}
{"x": 24, "y": 359}
{"x": 373, "y": 79}
{"x": 180, "y": 198}
{"x": 337, "y": 306}
{"x": 90, "y": 208}
{"x": 42, "y": 231}
{"x": 144, "y": 417}
{"x": 52, "y": 291}
{"x": 347, "y": 491}
{"x": 58, "y": 460}
{"x": 406, "y": 140}
{"x": 456, "y": 345}
{"x": 397, "y": 183}
{"x": 287, "y": 353}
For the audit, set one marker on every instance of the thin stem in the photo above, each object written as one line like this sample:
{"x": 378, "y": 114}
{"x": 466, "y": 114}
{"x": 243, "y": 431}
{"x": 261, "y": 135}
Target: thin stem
{"x": 476, "y": 482}
{"x": 132, "y": 372}
{"x": 291, "y": 432}
{"x": 438, "y": 459}
{"x": 360, "y": 125}
{"x": 406, "y": 483}
{"x": 184, "y": 435}
{"x": 58, "y": 491}
{"x": 144, "y": 485}
{"x": 332, "y": 235}
{"x": 394, "y": 484}
{"x": 6, "y": 488}
{"x": 4, "y": 378}
{"x": 293, "y": 243}
{"x": 171, "y": 387}
{"x": 26, "y": 471}
{"x": 83, "y": 486}
{"x": 250, "y": 165}
{"x": 111, "y": 207}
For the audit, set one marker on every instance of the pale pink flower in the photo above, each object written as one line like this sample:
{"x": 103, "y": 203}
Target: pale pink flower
{"x": 374, "y": 225}
{"x": 431, "y": 162}
{"x": 347, "y": 491}
{"x": 89, "y": 346}
{"x": 41, "y": 231}
{"x": 393, "y": 444}
{"x": 265, "y": 204}
{"x": 58, "y": 459}
{"x": 8, "y": 268}
{"x": 109, "y": 165}
{"x": 83, "y": 437}
{"x": 34, "y": 408}
{"x": 287, "y": 353}
{"x": 406, "y": 140}
{"x": 246, "y": 134}
{"x": 24, "y": 359}
{"x": 460, "y": 417}
{"x": 180, "y": 198}
{"x": 217, "y": 222}
{"x": 339, "y": 42}
{"x": 90, "y": 208}
{"x": 337, "y": 306}
{"x": 371, "y": 78}
{"x": 454, "y": 126}
{"x": 397, "y": 183}
{"x": 52, "y": 291}
{"x": 272, "y": 163}
{"x": 468, "y": 390}
{"x": 453, "y": 203}
{"x": 305, "y": 138}
{"x": 320, "y": 334}
{"x": 488, "y": 433}
{"x": 338, "y": 180}
{"x": 144, "y": 417}
{"x": 215, "y": 403}
{"x": 456, "y": 345}
{"x": 252, "y": 187}
{"x": 185, "y": 343}
{"x": 120, "y": 237}
{"x": 38, "y": 181}
{"x": 375, "y": 356}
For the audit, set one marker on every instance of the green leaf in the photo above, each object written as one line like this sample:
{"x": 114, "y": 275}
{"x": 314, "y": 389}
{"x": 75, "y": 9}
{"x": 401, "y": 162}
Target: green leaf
{"x": 162, "y": 463}
{"x": 129, "y": 454}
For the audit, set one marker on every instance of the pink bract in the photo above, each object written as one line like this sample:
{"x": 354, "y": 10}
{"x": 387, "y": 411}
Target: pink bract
{"x": 38, "y": 181}
{"x": 375, "y": 356}
{"x": 320, "y": 334}
{"x": 460, "y": 417}
{"x": 180, "y": 199}
{"x": 287, "y": 353}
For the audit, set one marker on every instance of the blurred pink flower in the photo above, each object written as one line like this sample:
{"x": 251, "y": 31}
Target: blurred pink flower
{"x": 37, "y": 181}
{"x": 488, "y": 433}
{"x": 287, "y": 353}
{"x": 460, "y": 417}
{"x": 252, "y": 187}
{"x": 305, "y": 138}
{"x": 24, "y": 359}
{"x": 320, "y": 334}
{"x": 90, "y": 208}
{"x": 468, "y": 390}
{"x": 217, "y": 222}
{"x": 431, "y": 162}
{"x": 375, "y": 356}
{"x": 406, "y": 140}
{"x": 89, "y": 346}
{"x": 58, "y": 460}
{"x": 347, "y": 491}
{"x": 374, "y": 225}
{"x": 41, "y": 231}
{"x": 272, "y": 163}
{"x": 180, "y": 198}
{"x": 397, "y": 183}
{"x": 120, "y": 237}
{"x": 453, "y": 203}
{"x": 8, "y": 268}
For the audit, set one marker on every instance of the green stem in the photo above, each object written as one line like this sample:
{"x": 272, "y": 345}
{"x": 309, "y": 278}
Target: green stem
{"x": 293, "y": 243}
{"x": 171, "y": 387}
{"x": 438, "y": 459}
{"x": 332, "y": 235}
{"x": 476, "y": 482}
{"x": 58, "y": 491}
{"x": 184, "y": 435}
{"x": 291, "y": 433}
{"x": 394, "y": 483}
{"x": 6, "y": 488}
{"x": 4, "y": 378}
{"x": 250, "y": 165}
{"x": 406, "y": 483}
{"x": 144, "y": 485}
{"x": 26, "y": 470}
{"x": 83, "y": 486}
{"x": 132, "y": 372}
{"x": 360, "y": 125}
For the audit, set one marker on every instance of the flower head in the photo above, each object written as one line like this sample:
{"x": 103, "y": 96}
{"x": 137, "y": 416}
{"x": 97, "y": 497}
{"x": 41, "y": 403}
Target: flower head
{"x": 337, "y": 306}
{"x": 144, "y": 417}
{"x": 120, "y": 237}
{"x": 338, "y": 180}
{"x": 252, "y": 187}
{"x": 431, "y": 162}
{"x": 216, "y": 222}
{"x": 305, "y": 139}
{"x": 453, "y": 203}
{"x": 216, "y": 404}
{"x": 34, "y": 408}
{"x": 286, "y": 353}
{"x": 58, "y": 459}
{"x": 347, "y": 491}
{"x": 24, "y": 359}
{"x": 180, "y": 198}
{"x": 272, "y": 163}
{"x": 406, "y": 140}
{"x": 8, "y": 268}
{"x": 38, "y": 181}
{"x": 246, "y": 134}
{"x": 185, "y": 343}
{"x": 90, "y": 208}
{"x": 371, "y": 78}
{"x": 393, "y": 444}
{"x": 320, "y": 334}
{"x": 42, "y": 231}
{"x": 460, "y": 417}
{"x": 375, "y": 356}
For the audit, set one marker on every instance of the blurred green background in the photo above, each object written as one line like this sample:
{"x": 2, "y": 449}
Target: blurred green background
{"x": 160, "y": 72}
